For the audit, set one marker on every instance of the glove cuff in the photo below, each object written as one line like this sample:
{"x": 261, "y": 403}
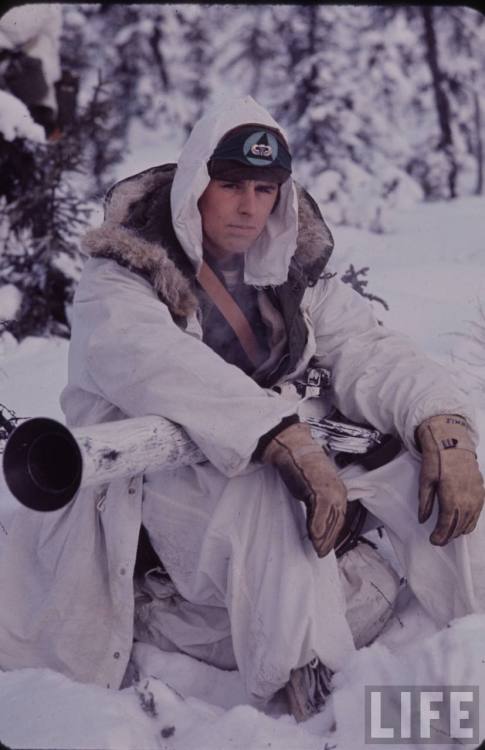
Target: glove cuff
{"x": 444, "y": 431}
{"x": 265, "y": 440}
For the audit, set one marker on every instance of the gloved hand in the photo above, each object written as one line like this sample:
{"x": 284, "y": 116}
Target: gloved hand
{"x": 450, "y": 470}
{"x": 310, "y": 477}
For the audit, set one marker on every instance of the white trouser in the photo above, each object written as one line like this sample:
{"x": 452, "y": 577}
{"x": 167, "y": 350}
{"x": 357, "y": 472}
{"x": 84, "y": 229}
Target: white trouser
{"x": 448, "y": 581}
{"x": 251, "y": 590}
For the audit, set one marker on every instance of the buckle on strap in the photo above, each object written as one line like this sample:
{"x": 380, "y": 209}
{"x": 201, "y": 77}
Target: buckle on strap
{"x": 314, "y": 381}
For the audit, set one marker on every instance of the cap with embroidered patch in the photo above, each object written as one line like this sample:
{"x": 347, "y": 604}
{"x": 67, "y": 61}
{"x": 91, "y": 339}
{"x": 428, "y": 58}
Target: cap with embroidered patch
{"x": 251, "y": 152}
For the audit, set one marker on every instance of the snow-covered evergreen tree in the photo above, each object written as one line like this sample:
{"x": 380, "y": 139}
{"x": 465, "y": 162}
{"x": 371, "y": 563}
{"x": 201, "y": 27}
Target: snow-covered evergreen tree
{"x": 462, "y": 31}
{"x": 439, "y": 53}
{"x": 249, "y": 48}
{"x": 192, "y": 67}
{"x": 44, "y": 206}
{"x": 354, "y": 86}
{"x": 339, "y": 129}
{"x": 41, "y": 214}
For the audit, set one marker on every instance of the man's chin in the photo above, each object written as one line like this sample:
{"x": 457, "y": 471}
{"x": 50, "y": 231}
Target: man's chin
{"x": 238, "y": 248}
{"x": 225, "y": 254}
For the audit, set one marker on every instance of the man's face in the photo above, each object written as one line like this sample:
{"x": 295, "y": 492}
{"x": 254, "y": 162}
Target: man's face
{"x": 234, "y": 214}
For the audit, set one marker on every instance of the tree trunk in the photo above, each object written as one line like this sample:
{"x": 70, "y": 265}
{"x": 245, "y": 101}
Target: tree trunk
{"x": 441, "y": 99}
{"x": 155, "y": 40}
{"x": 307, "y": 87}
{"x": 479, "y": 144}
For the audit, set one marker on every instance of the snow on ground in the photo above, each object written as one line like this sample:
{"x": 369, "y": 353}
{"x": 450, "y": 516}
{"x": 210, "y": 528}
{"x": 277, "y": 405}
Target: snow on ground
{"x": 430, "y": 270}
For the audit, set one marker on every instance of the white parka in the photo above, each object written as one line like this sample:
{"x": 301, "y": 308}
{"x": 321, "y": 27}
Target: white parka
{"x": 66, "y": 577}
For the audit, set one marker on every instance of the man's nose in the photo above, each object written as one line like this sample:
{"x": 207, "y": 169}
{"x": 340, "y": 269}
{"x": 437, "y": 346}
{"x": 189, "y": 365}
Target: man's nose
{"x": 247, "y": 201}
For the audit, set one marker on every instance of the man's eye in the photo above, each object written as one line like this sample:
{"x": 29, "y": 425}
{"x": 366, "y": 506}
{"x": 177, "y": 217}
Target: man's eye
{"x": 229, "y": 185}
{"x": 269, "y": 189}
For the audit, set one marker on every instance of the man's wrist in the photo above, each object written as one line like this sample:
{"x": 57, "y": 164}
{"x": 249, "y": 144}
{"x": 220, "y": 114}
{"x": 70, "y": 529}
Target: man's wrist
{"x": 268, "y": 436}
{"x": 443, "y": 421}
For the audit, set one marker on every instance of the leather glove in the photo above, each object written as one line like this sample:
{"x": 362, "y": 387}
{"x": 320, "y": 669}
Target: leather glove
{"x": 450, "y": 471}
{"x": 310, "y": 477}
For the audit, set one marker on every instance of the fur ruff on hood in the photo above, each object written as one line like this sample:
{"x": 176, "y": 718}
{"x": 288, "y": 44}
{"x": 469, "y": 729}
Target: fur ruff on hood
{"x": 137, "y": 232}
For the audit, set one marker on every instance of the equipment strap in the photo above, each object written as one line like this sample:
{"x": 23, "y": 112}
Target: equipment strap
{"x": 232, "y": 313}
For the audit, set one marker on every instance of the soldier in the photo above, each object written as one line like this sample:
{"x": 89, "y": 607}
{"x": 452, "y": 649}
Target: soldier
{"x": 207, "y": 295}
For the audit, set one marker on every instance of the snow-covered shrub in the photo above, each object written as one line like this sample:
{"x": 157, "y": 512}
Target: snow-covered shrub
{"x": 40, "y": 216}
{"x": 45, "y": 189}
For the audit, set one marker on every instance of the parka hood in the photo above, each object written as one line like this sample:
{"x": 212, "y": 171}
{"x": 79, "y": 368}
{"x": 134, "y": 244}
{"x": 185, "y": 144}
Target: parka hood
{"x": 152, "y": 224}
{"x": 268, "y": 260}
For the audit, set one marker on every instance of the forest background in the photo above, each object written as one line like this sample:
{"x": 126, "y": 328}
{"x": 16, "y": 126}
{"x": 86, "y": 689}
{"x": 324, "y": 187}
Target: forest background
{"x": 383, "y": 106}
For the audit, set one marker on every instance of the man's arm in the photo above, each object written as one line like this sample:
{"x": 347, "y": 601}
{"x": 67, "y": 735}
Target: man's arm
{"x": 126, "y": 348}
{"x": 381, "y": 377}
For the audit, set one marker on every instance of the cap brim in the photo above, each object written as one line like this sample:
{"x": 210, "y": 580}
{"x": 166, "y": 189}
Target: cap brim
{"x": 234, "y": 170}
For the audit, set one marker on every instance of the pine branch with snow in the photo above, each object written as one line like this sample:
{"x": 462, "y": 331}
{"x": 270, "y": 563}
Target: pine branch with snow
{"x": 40, "y": 214}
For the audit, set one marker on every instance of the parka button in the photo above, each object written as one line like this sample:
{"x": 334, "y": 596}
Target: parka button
{"x": 116, "y": 655}
{"x": 131, "y": 491}
{"x": 122, "y": 571}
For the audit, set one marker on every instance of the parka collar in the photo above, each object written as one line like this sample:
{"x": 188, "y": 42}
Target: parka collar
{"x": 138, "y": 232}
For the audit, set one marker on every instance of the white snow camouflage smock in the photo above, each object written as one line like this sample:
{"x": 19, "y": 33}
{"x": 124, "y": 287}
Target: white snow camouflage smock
{"x": 231, "y": 537}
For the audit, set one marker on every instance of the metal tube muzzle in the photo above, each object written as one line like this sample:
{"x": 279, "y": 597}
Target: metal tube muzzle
{"x": 45, "y": 463}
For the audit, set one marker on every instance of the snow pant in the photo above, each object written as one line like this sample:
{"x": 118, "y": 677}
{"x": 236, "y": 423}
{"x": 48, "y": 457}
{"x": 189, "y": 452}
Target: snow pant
{"x": 249, "y": 590}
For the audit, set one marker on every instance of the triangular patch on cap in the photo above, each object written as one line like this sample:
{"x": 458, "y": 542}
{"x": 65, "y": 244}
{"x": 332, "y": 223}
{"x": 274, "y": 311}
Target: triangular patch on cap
{"x": 261, "y": 149}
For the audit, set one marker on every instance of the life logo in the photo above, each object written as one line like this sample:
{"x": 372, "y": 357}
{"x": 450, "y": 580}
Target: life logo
{"x": 261, "y": 149}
